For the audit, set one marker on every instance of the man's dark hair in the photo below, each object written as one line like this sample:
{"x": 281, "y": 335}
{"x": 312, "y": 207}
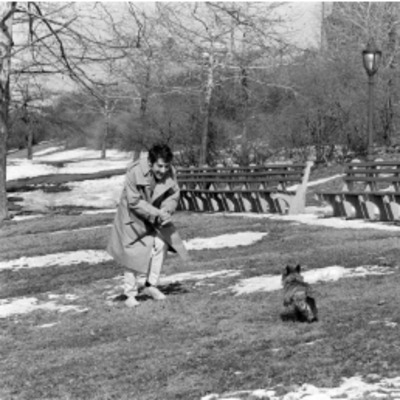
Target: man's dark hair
{"x": 160, "y": 151}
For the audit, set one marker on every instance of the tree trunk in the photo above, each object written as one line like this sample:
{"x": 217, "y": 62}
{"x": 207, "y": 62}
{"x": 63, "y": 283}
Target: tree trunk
{"x": 29, "y": 145}
{"x": 6, "y": 18}
{"x": 245, "y": 109}
{"x": 206, "y": 112}
{"x": 29, "y": 136}
{"x": 389, "y": 123}
{"x": 105, "y": 136}
{"x": 145, "y": 97}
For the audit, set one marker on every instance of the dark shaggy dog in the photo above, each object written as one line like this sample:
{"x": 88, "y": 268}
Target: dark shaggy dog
{"x": 299, "y": 298}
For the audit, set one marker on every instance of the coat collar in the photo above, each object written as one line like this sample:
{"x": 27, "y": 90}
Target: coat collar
{"x": 143, "y": 172}
{"x": 145, "y": 167}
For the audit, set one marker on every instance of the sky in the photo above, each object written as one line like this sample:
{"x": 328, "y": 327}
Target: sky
{"x": 301, "y": 26}
{"x": 85, "y": 160}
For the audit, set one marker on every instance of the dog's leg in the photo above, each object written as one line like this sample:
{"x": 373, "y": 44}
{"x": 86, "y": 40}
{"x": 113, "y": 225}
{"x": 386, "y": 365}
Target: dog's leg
{"x": 303, "y": 307}
{"x": 313, "y": 309}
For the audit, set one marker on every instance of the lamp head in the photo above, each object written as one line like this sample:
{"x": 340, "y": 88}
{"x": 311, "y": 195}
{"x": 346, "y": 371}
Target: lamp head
{"x": 371, "y": 57}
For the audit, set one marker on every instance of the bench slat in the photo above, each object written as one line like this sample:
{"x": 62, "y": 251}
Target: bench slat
{"x": 240, "y": 189}
{"x": 240, "y": 174}
{"x": 246, "y": 168}
{"x": 388, "y": 179}
{"x": 371, "y": 191}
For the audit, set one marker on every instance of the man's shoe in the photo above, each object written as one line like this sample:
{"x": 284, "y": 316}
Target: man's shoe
{"x": 131, "y": 302}
{"x": 153, "y": 292}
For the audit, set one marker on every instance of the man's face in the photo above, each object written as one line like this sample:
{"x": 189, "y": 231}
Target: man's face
{"x": 160, "y": 168}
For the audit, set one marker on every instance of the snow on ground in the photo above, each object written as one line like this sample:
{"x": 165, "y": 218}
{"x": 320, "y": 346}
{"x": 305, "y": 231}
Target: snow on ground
{"x": 56, "y": 259}
{"x": 198, "y": 276}
{"x": 88, "y": 228}
{"x": 78, "y": 161}
{"x": 98, "y": 256}
{"x": 99, "y": 211}
{"x": 386, "y": 322}
{"x": 104, "y": 193}
{"x": 98, "y": 193}
{"x": 24, "y": 305}
{"x": 19, "y": 169}
{"x": 228, "y": 240}
{"x": 83, "y": 153}
{"x": 312, "y": 217}
{"x": 354, "y": 388}
{"x": 26, "y": 217}
{"x": 269, "y": 283}
{"x": 49, "y": 150}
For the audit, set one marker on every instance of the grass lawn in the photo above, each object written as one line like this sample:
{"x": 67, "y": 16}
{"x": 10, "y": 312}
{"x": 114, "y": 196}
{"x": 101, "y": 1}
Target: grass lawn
{"x": 203, "y": 338}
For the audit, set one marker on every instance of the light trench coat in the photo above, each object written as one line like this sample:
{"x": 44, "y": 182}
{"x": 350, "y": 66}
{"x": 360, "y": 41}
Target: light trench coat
{"x": 134, "y": 227}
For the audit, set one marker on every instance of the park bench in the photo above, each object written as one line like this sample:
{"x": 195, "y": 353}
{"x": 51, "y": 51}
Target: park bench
{"x": 370, "y": 190}
{"x": 274, "y": 188}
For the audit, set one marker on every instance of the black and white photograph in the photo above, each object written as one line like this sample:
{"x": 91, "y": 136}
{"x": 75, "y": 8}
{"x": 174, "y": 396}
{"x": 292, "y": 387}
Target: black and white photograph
{"x": 199, "y": 200}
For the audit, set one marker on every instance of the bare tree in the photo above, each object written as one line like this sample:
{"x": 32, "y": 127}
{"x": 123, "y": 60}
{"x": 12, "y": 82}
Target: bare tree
{"x": 28, "y": 98}
{"x": 224, "y": 41}
{"x": 350, "y": 26}
{"x": 40, "y": 39}
{"x": 7, "y": 11}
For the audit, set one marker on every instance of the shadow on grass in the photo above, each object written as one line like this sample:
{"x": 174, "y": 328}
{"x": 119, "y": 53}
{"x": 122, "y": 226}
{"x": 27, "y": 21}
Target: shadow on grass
{"x": 294, "y": 316}
{"x": 173, "y": 288}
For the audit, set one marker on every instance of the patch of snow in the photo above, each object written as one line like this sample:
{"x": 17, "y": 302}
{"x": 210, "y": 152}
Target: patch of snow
{"x": 89, "y": 228}
{"x": 196, "y": 275}
{"x": 26, "y": 305}
{"x": 99, "y": 211}
{"x": 84, "y": 153}
{"x": 98, "y": 193}
{"x": 386, "y": 322}
{"x": 228, "y": 240}
{"x": 310, "y": 218}
{"x": 57, "y": 259}
{"x": 265, "y": 283}
{"x": 26, "y": 217}
{"x": 168, "y": 279}
{"x": 47, "y": 151}
{"x": 88, "y": 167}
{"x": 351, "y": 389}
{"x": 20, "y": 169}
{"x": 66, "y": 296}
{"x": 47, "y": 325}
{"x": 80, "y": 161}
{"x": 318, "y": 210}
{"x": 104, "y": 193}
{"x": 269, "y": 283}
{"x": 98, "y": 256}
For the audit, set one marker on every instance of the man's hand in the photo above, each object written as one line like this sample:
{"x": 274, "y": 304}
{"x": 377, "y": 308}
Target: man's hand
{"x": 164, "y": 217}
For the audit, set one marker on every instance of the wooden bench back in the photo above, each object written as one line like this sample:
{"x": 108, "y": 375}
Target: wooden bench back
{"x": 372, "y": 176}
{"x": 277, "y": 176}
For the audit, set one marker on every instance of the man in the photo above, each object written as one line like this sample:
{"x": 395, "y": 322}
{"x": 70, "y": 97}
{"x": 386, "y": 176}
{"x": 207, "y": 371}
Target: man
{"x": 143, "y": 231}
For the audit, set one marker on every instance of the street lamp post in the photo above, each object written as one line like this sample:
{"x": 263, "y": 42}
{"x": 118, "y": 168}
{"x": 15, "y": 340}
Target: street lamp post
{"x": 371, "y": 58}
